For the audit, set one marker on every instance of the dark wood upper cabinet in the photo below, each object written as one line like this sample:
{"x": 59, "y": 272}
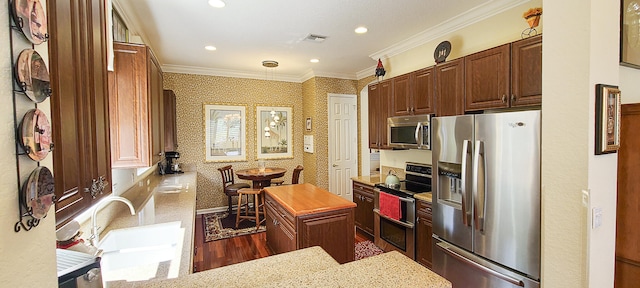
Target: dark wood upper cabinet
{"x": 136, "y": 101}
{"x": 423, "y": 91}
{"x": 487, "y": 79}
{"x": 79, "y": 104}
{"x": 413, "y": 93}
{"x": 170, "y": 125}
{"x": 526, "y": 72}
{"x": 449, "y": 88}
{"x": 379, "y": 106}
{"x": 401, "y": 102}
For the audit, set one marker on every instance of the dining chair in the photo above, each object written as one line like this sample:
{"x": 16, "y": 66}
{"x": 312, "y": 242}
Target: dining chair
{"x": 294, "y": 179}
{"x": 230, "y": 188}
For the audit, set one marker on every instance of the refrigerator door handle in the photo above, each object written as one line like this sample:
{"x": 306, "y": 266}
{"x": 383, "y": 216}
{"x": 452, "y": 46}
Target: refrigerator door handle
{"x": 479, "y": 186}
{"x": 463, "y": 259}
{"x": 466, "y": 152}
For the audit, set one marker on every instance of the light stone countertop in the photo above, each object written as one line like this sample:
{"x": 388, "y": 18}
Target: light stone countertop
{"x": 367, "y": 180}
{"x": 257, "y": 273}
{"x": 313, "y": 267}
{"x": 427, "y": 196}
{"x": 153, "y": 207}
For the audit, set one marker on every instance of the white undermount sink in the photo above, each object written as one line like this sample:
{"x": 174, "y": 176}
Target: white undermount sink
{"x": 173, "y": 188}
{"x": 143, "y": 252}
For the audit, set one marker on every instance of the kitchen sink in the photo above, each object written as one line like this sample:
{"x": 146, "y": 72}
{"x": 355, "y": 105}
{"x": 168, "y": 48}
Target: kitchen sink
{"x": 142, "y": 253}
{"x": 173, "y": 188}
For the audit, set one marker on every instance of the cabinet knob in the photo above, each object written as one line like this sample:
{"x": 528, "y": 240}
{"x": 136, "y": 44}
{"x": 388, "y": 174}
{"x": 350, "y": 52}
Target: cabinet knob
{"x": 513, "y": 98}
{"x": 161, "y": 153}
{"x": 504, "y": 98}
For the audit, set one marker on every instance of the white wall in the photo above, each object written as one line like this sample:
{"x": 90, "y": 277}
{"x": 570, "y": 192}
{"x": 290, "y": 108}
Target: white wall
{"x": 27, "y": 258}
{"x": 574, "y": 254}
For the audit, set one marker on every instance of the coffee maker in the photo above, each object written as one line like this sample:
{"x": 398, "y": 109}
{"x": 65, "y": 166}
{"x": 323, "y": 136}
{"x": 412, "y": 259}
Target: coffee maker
{"x": 172, "y": 168}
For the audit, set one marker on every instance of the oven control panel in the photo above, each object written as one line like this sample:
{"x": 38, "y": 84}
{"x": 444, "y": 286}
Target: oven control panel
{"x": 418, "y": 169}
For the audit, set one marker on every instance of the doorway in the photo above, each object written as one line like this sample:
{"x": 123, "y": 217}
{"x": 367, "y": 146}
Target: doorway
{"x": 343, "y": 143}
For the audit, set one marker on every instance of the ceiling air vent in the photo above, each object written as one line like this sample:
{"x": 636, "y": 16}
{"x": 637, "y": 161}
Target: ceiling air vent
{"x": 315, "y": 38}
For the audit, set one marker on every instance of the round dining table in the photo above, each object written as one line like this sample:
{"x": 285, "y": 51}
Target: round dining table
{"x": 261, "y": 179}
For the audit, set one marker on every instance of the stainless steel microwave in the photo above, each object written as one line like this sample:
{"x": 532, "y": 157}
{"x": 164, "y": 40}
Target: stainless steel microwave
{"x": 411, "y": 132}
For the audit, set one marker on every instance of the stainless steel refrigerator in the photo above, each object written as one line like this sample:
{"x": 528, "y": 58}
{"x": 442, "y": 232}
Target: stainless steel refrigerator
{"x": 486, "y": 199}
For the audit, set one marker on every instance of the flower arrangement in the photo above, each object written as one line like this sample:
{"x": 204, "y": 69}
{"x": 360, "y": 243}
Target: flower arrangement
{"x": 533, "y": 16}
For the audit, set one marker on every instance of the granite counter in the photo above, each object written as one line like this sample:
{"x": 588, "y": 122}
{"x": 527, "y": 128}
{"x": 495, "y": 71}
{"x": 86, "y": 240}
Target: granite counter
{"x": 313, "y": 267}
{"x": 367, "y": 180}
{"x": 155, "y": 205}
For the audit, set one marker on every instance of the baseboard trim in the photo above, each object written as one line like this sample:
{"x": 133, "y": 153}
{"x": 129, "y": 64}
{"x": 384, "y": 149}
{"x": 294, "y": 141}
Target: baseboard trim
{"x": 212, "y": 210}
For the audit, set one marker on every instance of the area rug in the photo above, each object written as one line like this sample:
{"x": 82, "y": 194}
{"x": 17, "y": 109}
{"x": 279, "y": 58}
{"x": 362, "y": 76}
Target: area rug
{"x": 366, "y": 249}
{"x": 222, "y": 225}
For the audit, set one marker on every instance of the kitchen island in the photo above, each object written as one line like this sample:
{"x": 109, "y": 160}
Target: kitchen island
{"x": 303, "y": 215}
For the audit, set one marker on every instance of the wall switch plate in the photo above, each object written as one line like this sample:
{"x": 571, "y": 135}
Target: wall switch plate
{"x": 585, "y": 198}
{"x": 596, "y": 219}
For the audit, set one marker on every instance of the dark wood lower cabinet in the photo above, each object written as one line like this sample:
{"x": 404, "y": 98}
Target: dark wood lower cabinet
{"x": 332, "y": 230}
{"x": 363, "y": 197}
{"x": 424, "y": 229}
{"x": 627, "y": 265}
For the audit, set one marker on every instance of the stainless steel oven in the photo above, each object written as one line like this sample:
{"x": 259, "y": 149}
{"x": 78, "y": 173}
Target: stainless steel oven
{"x": 399, "y": 234}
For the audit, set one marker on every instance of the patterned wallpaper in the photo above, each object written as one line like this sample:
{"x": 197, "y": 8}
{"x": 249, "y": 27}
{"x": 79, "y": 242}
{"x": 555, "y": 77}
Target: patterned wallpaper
{"x": 192, "y": 91}
{"x": 308, "y": 99}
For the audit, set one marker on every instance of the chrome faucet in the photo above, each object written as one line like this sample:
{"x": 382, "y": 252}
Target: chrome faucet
{"x": 94, "y": 239}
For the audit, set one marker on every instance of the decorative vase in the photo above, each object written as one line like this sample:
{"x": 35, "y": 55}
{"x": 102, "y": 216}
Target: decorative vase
{"x": 533, "y": 21}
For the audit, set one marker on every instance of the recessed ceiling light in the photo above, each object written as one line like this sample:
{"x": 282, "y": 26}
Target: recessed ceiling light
{"x": 361, "y": 30}
{"x": 217, "y": 3}
{"x": 210, "y": 48}
{"x": 314, "y": 60}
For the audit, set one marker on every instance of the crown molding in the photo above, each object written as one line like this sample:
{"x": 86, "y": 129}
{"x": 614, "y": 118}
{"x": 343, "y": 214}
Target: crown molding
{"x": 225, "y": 73}
{"x": 465, "y": 19}
{"x": 124, "y": 10}
{"x": 366, "y": 72}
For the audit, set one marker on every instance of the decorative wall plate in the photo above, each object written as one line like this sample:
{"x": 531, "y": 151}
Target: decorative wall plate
{"x": 442, "y": 51}
{"x": 38, "y": 192}
{"x": 35, "y": 134}
{"x": 31, "y": 19}
{"x": 32, "y": 75}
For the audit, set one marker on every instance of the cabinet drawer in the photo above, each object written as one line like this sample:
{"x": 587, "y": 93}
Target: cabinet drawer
{"x": 424, "y": 208}
{"x": 282, "y": 213}
{"x": 363, "y": 188}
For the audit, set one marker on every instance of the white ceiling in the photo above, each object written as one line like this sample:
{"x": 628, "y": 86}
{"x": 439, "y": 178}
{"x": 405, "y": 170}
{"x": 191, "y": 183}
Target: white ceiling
{"x": 246, "y": 32}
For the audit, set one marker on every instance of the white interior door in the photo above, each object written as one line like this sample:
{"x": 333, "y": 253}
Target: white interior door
{"x": 343, "y": 143}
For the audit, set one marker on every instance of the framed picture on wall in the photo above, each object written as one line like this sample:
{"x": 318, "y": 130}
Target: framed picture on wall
{"x": 225, "y": 133}
{"x": 630, "y": 34}
{"x": 607, "y": 119}
{"x": 274, "y": 127}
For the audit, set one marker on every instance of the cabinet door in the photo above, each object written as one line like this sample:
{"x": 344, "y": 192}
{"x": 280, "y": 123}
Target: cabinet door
{"x": 80, "y": 126}
{"x": 487, "y": 79}
{"x": 170, "y": 127}
{"x": 367, "y": 215}
{"x": 423, "y": 88}
{"x": 450, "y": 88}
{"x": 360, "y": 211}
{"x": 424, "y": 231}
{"x": 526, "y": 72}
{"x": 384, "y": 97}
{"x": 157, "y": 108}
{"x": 129, "y": 104}
{"x": 401, "y": 103}
{"x": 333, "y": 231}
{"x": 374, "y": 115}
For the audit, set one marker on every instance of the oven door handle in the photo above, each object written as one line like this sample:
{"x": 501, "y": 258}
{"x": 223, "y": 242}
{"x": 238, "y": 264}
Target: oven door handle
{"x": 408, "y": 225}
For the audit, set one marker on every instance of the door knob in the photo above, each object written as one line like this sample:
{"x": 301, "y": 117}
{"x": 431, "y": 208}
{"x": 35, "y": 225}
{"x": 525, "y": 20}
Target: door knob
{"x": 334, "y": 165}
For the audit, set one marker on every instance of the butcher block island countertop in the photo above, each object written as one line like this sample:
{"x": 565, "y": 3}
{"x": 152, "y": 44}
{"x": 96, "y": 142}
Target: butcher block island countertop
{"x": 303, "y": 215}
{"x": 303, "y": 199}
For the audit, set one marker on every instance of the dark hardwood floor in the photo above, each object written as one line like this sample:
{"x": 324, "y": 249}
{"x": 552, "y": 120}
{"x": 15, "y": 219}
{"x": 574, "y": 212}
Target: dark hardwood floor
{"x": 234, "y": 250}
